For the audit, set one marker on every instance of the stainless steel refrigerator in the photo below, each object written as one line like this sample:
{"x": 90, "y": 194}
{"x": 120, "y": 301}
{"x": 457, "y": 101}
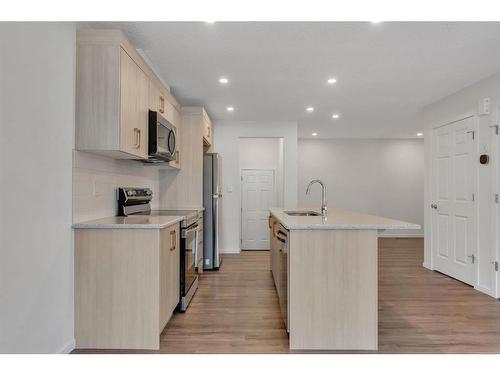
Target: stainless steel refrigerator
{"x": 212, "y": 201}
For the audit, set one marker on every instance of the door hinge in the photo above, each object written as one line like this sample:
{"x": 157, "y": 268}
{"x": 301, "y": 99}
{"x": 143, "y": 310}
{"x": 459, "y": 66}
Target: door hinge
{"x": 496, "y": 128}
{"x": 472, "y": 258}
{"x": 472, "y": 132}
{"x": 496, "y": 265}
{"x": 473, "y": 197}
{"x": 496, "y": 198}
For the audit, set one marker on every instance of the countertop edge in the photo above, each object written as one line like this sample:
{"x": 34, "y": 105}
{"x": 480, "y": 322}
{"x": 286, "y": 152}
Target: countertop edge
{"x": 325, "y": 226}
{"x": 90, "y": 225}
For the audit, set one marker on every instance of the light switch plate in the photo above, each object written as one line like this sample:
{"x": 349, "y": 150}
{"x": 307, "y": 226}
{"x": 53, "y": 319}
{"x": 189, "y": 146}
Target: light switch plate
{"x": 484, "y": 107}
{"x": 230, "y": 188}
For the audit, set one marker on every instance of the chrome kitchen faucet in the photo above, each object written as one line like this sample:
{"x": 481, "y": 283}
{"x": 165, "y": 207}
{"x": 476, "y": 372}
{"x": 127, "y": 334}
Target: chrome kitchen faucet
{"x": 324, "y": 209}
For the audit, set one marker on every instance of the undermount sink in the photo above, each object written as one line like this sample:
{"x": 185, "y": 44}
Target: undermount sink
{"x": 302, "y": 213}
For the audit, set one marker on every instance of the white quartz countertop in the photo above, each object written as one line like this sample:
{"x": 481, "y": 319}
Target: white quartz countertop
{"x": 130, "y": 222}
{"x": 338, "y": 218}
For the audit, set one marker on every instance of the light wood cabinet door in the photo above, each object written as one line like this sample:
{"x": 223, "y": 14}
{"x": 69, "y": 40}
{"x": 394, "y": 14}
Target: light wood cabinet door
{"x": 174, "y": 267}
{"x": 207, "y": 130}
{"x": 154, "y": 97}
{"x": 169, "y": 272}
{"x": 134, "y": 104}
{"x": 274, "y": 253}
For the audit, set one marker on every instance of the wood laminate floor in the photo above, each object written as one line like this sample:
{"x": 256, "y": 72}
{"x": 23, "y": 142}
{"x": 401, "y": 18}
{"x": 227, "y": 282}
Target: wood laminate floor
{"x": 235, "y": 310}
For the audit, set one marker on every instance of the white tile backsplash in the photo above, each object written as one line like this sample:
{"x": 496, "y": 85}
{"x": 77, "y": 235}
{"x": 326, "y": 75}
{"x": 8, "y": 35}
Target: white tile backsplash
{"x": 96, "y": 178}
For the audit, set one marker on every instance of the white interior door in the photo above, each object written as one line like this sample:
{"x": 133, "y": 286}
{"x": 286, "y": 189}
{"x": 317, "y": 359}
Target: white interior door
{"x": 257, "y": 196}
{"x": 453, "y": 230}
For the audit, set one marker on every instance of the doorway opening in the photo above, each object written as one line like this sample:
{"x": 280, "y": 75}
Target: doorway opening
{"x": 261, "y": 180}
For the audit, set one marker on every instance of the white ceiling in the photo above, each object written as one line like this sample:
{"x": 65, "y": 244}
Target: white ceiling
{"x": 386, "y": 72}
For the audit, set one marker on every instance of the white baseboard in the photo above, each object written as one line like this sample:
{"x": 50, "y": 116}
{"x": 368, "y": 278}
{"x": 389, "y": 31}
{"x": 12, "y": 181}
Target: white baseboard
{"x": 428, "y": 266}
{"x": 68, "y": 348}
{"x": 485, "y": 291}
{"x": 230, "y": 251}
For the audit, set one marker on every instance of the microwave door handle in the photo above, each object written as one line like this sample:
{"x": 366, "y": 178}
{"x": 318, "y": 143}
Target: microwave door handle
{"x": 171, "y": 137}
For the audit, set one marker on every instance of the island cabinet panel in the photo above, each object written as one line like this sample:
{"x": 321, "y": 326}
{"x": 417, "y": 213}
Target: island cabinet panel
{"x": 126, "y": 286}
{"x": 333, "y": 289}
{"x": 274, "y": 252}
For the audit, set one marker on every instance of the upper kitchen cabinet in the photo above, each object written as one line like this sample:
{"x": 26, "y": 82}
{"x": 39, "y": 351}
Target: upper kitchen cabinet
{"x": 115, "y": 88}
{"x": 208, "y": 131}
{"x": 199, "y": 116}
{"x": 134, "y": 91}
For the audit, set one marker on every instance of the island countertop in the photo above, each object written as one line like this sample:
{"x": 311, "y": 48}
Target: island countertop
{"x": 130, "y": 222}
{"x": 337, "y": 218}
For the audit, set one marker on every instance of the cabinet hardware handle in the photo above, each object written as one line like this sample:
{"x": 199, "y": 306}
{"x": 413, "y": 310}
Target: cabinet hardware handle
{"x": 137, "y": 132}
{"x": 172, "y": 240}
{"x": 162, "y": 105}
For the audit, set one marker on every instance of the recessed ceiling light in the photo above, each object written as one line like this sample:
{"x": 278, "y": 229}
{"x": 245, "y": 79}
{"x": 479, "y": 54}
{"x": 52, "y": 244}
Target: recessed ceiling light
{"x": 314, "y": 134}
{"x": 331, "y": 81}
{"x": 310, "y": 109}
{"x": 223, "y": 80}
{"x": 335, "y": 115}
{"x": 230, "y": 109}
{"x": 420, "y": 134}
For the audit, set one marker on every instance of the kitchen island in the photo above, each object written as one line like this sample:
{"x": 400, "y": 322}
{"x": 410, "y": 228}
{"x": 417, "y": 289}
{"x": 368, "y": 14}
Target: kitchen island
{"x": 325, "y": 272}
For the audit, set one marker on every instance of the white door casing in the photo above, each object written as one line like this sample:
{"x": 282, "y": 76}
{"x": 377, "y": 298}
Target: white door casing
{"x": 257, "y": 196}
{"x": 453, "y": 217}
{"x": 486, "y": 207}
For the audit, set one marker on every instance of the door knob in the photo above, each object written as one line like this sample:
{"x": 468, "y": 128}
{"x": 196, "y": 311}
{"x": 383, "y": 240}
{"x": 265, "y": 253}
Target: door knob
{"x": 434, "y": 206}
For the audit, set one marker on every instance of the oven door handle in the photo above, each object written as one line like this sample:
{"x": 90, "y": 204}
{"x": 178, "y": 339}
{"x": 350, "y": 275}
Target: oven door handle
{"x": 194, "y": 228}
{"x": 195, "y": 250}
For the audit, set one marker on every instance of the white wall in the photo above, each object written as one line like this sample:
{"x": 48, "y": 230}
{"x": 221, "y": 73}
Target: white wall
{"x": 96, "y": 178}
{"x": 380, "y": 177}
{"x": 454, "y": 107}
{"x": 264, "y": 153}
{"x": 37, "y": 77}
{"x": 226, "y": 136}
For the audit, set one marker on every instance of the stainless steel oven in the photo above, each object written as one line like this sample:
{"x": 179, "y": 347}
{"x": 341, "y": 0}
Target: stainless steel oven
{"x": 188, "y": 262}
{"x": 138, "y": 201}
{"x": 162, "y": 139}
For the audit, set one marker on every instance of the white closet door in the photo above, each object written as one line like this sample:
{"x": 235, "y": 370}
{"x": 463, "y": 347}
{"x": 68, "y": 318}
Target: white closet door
{"x": 258, "y": 195}
{"x": 453, "y": 230}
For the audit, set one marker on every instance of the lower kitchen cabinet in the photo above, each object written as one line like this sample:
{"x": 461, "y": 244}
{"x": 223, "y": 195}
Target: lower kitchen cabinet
{"x": 274, "y": 253}
{"x": 278, "y": 238}
{"x": 126, "y": 286}
{"x": 169, "y": 273}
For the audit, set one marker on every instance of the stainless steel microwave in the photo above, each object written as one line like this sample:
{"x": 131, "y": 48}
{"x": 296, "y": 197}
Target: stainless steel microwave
{"x": 162, "y": 139}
